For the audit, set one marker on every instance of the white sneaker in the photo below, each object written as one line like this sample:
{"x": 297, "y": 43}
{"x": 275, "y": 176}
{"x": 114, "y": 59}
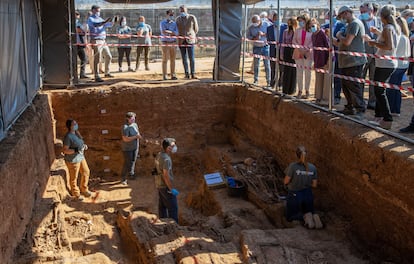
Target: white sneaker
{"x": 124, "y": 182}
{"x": 309, "y": 223}
{"x": 317, "y": 221}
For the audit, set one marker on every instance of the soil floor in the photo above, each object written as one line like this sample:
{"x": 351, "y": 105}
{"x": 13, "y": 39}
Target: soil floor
{"x": 64, "y": 230}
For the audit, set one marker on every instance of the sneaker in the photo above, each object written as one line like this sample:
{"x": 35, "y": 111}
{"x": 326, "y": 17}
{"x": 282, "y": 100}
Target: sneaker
{"x": 87, "y": 194}
{"x": 347, "y": 111}
{"x": 130, "y": 69}
{"x": 385, "y": 124}
{"x": 396, "y": 114}
{"x": 306, "y": 95}
{"x": 79, "y": 198}
{"x": 193, "y": 76}
{"x": 164, "y": 78}
{"x": 187, "y": 76}
{"x": 83, "y": 76}
{"x": 317, "y": 221}
{"x": 173, "y": 78}
{"x": 120, "y": 69}
{"x": 299, "y": 96}
{"x": 409, "y": 129}
{"x": 125, "y": 182}
{"x": 108, "y": 75}
{"x": 147, "y": 68}
{"x": 309, "y": 223}
{"x": 98, "y": 79}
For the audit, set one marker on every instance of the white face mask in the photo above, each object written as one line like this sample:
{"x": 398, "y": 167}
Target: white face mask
{"x": 255, "y": 24}
{"x": 98, "y": 14}
{"x": 174, "y": 149}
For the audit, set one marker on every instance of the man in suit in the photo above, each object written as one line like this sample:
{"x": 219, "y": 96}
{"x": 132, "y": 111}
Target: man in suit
{"x": 187, "y": 30}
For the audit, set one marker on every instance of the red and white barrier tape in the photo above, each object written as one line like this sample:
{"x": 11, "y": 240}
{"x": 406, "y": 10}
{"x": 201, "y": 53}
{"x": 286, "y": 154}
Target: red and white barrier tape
{"x": 349, "y": 78}
{"x": 147, "y": 45}
{"x": 153, "y": 36}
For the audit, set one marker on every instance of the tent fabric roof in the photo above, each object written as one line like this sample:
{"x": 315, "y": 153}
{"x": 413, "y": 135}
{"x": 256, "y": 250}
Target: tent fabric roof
{"x": 246, "y": 2}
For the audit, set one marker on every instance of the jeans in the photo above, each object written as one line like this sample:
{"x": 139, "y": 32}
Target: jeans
{"x": 353, "y": 91}
{"x": 121, "y": 52}
{"x": 188, "y": 49}
{"x": 74, "y": 169}
{"x": 299, "y": 203}
{"x": 130, "y": 158}
{"x": 382, "y": 107}
{"x": 264, "y": 51}
{"x": 394, "y": 95}
{"x": 146, "y": 50}
{"x": 82, "y": 57}
{"x": 167, "y": 204}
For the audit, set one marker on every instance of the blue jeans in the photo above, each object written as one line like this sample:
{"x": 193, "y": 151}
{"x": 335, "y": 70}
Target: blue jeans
{"x": 265, "y": 52}
{"x": 189, "y": 49}
{"x": 394, "y": 95}
{"x": 299, "y": 203}
{"x": 167, "y": 204}
{"x": 130, "y": 157}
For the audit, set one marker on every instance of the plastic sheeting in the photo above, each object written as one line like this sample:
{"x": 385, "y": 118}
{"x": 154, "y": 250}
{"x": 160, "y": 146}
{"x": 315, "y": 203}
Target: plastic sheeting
{"x": 229, "y": 36}
{"x": 19, "y": 59}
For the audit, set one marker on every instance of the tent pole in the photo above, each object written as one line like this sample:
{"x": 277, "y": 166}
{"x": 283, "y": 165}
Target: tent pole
{"x": 331, "y": 49}
{"x": 216, "y": 61}
{"x": 279, "y": 15}
{"x": 244, "y": 41}
{"x": 70, "y": 43}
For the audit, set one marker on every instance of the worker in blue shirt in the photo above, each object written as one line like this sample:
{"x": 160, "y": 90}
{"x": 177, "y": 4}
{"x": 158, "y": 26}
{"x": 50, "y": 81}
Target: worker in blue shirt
{"x": 169, "y": 31}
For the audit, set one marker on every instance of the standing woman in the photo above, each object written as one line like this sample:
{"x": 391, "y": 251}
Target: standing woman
{"x": 386, "y": 46}
{"x": 303, "y": 56}
{"x": 124, "y": 41}
{"x": 320, "y": 58}
{"x": 130, "y": 146}
{"x": 289, "y": 74}
{"x": 74, "y": 148}
{"x": 403, "y": 51}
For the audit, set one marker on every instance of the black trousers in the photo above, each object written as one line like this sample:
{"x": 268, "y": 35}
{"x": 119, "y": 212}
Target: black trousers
{"x": 382, "y": 107}
{"x": 352, "y": 90}
{"x": 121, "y": 52}
{"x": 82, "y": 57}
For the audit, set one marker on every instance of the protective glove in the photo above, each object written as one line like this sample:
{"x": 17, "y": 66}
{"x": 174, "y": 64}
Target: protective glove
{"x": 174, "y": 192}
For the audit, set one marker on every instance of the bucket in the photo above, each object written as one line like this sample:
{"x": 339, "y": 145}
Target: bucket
{"x": 238, "y": 189}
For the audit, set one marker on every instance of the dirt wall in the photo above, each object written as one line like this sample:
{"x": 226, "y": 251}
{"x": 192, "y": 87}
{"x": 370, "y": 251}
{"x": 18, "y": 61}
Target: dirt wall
{"x": 363, "y": 174}
{"x": 195, "y": 113}
{"x": 25, "y": 158}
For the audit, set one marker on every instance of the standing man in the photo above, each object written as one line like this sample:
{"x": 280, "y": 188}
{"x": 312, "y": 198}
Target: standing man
{"x": 369, "y": 20}
{"x": 257, "y": 32}
{"x": 81, "y": 42}
{"x": 144, "y": 33}
{"x": 167, "y": 205}
{"x": 351, "y": 40}
{"x": 130, "y": 146}
{"x": 274, "y": 35}
{"x": 97, "y": 29}
{"x": 187, "y": 29}
{"x": 169, "y": 31}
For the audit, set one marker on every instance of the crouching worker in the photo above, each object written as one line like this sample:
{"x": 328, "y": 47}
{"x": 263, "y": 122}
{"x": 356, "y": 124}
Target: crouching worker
{"x": 300, "y": 177}
{"x": 167, "y": 205}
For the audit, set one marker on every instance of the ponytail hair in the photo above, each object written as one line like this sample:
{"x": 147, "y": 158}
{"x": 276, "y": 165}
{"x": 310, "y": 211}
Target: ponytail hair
{"x": 301, "y": 155}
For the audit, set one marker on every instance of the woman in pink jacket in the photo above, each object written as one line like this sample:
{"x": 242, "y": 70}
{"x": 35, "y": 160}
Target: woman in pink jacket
{"x": 303, "y": 56}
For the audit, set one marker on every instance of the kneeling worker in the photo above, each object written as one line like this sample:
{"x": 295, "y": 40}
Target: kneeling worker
{"x": 300, "y": 177}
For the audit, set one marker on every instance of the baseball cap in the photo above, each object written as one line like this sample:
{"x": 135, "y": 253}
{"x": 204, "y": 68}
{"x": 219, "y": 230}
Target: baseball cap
{"x": 167, "y": 142}
{"x": 95, "y": 7}
{"x": 344, "y": 9}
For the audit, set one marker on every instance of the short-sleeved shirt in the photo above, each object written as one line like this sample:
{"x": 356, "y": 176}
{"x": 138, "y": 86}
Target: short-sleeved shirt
{"x": 130, "y": 130}
{"x": 145, "y": 37}
{"x": 253, "y": 32}
{"x": 73, "y": 142}
{"x": 98, "y": 32}
{"x": 124, "y": 31}
{"x": 300, "y": 178}
{"x": 163, "y": 162}
{"x": 356, "y": 28}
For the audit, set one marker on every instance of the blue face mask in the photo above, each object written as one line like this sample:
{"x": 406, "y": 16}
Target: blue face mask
{"x": 183, "y": 14}
{"x": 313, "y": 29}
{"x": 301, "y": 24}
{"x": 364, "y": 16}
{"x": 141, "y": 24}
{"x": 410, "y": 20}
{"x": 171, "y": 18}
{"x": 276, "y": 23}
{"x": 75, "y": 127}
{"x": 334, "y": 20}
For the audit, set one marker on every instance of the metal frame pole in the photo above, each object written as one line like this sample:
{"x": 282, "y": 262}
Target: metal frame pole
{"x": 331, "y": 50}
{"x": 277, "y": 47}
{"x": 70, "y": 44}
{"x": 216, "y": 61}
{"x": 244, "y": 41}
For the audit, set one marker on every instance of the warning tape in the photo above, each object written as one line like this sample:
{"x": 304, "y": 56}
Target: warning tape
{"x": 153, "y": 36}
{"x": 147, "y": 45}
{"x": 349, "y": 78}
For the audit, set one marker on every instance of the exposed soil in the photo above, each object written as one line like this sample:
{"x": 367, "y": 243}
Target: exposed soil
{"x": 119, "y": 224}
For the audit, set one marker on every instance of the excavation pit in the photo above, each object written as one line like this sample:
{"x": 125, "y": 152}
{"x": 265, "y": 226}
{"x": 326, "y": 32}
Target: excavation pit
{"x": 218, "y": 127}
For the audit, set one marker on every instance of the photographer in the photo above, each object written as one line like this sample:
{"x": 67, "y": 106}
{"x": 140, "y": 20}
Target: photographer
{"x": 74, "y": 148}
{"x": 97, "y": 28}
